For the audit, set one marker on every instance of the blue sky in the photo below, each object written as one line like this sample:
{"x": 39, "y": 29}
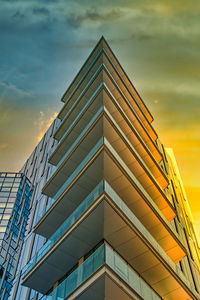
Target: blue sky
{"x": 44, "y": 43}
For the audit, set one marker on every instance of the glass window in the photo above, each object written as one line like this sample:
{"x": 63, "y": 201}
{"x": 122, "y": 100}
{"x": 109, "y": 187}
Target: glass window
{"x": 1, "y": 235}
{"x": 13, "y": 194}
{"x": 7, "y": 184}
{"x": 4, "y": 194}
{"x": 17, "y": 179}
{"x": 11, "y": 200}
{"x": 11, "y": 174}
{"x": 4, "y": 222}
{"x": 6, "y": 217}
{"x": 8, "y": 211}
{"x": 2, "y": 229}
{"x": 9, "y": 205}
{"x": 3, "y": 199}
{"x": 5, "y": 189}
{"x": 2, "y": 205}
{"x": 9, "y": 179}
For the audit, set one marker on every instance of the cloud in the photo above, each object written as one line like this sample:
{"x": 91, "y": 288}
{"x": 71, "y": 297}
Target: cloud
{"x": 94, "y": 16}
{"x": 6, "y": 90}
{"x": 12, "y": 101}
{"x": 3, "y": 146}
{"x": 18, "y": 16}
{"x": 43, "y": 123}
{"x": 41, "y": 11}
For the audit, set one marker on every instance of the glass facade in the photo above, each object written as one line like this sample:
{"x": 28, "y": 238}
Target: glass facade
{"x": 15, "y": 197}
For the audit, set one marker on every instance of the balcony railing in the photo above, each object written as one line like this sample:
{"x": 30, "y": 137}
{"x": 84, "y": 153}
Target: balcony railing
{"x": 103, "y": 256}
{"x": 66, "y": 225}
{"x": 79, "y": 138}
{"x": 72, "y": 177}
{"x": 77, "y": 101}
{"x": 83, "y": 76}
{"x": 83, "y": 207}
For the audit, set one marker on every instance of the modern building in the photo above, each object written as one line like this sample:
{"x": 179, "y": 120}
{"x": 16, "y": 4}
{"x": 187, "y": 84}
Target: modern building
{"x": 15, "y": 197}
{"x": 109, "y": 218}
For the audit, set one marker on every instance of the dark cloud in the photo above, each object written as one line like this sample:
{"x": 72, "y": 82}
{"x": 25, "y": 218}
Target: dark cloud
{"x": 131, "y": 38}
{"x": 142, "y": 36}
{"x": 41, "y": 11}
{"x": 18, "y": 15}
{"x": 76, "y": 20}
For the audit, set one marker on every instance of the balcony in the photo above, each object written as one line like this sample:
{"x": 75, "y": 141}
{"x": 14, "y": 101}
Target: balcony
{"x": 81, "y": 209}
{"x": 103, "y": 76}
{"x": 147, "y": 150}
{"x": 82, "y": 74}
{"x": 102, "y": 124}
{"x": 76, "y": 153}
{"x": 107, "y": 99}
{"x": 90, "y": 92}
{"x": 128, "y": 153}
{"x": 126, "y": 91}
{"x": 87, "y": 116}
{"x": 84, "y": 179}
{"x": 100, "y": 216}
{"x": 107, "y": 165}
{"x": 83, "y": 120}
{"x": 129, "y": 84}
{"x": 99, "y": 275}
{"x": 130, "y": 112}
{"x": 103, "y": 48}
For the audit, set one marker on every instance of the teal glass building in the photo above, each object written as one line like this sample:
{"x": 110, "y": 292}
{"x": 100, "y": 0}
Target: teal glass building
{"x": 15, "y": 197}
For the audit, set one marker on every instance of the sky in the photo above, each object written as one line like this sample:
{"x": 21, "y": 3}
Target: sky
{"x": 44, "y": 44}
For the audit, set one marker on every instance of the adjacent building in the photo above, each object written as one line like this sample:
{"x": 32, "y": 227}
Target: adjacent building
{"x": 109, "y": 218}
{"x": 15, "y": 197}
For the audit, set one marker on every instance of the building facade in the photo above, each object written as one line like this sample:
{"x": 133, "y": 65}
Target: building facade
{"x": 109, "y": 217}
{"x": 15, "y": 196}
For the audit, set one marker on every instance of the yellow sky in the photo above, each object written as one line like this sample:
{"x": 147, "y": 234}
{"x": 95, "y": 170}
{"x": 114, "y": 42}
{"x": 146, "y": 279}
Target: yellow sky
{"x": 185, "y": 142}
